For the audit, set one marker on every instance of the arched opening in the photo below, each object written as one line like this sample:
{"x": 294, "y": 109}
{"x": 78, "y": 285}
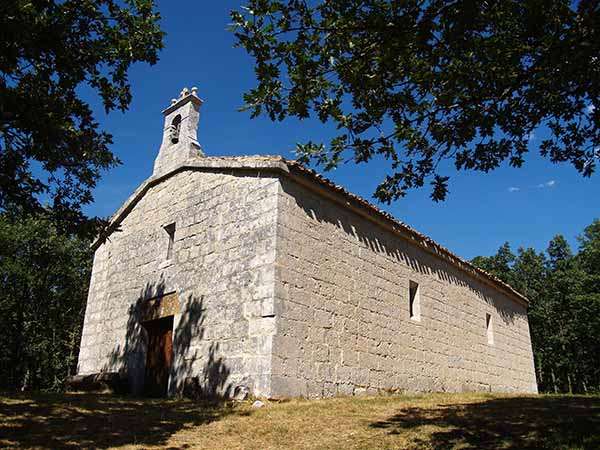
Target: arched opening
{"x": 175, "y": 126}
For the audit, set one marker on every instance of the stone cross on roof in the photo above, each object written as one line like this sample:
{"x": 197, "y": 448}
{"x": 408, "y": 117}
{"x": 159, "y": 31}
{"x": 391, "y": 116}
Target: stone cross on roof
{"x": 184, "y": 93}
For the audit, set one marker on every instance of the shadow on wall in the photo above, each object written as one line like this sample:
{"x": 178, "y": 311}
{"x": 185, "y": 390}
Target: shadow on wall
{"x": 129, "y": 357}
{"x": 197, "y": 370}
{"x": 386, "y": 243}
{"x": 211, "y": 381}
{"x": 509, "y": 423}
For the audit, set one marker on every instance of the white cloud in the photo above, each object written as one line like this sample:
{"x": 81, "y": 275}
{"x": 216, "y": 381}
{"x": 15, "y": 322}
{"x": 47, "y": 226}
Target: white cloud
{"x": 547, "y": 184}
{"x": 590, "y": 108}
{"x": 514, "y": 189}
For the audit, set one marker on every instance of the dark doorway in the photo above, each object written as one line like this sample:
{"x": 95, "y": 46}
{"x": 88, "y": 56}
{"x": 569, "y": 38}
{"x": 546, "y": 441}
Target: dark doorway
{"x": 159, "y": 356}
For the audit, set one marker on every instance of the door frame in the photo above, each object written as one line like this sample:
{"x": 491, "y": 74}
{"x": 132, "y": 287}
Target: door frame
{"x": 152, "y": 326}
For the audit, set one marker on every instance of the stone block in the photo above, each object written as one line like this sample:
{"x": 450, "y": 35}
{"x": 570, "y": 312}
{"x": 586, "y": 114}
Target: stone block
{"x": 105, "y": 382}
{"x": 296, "y": 294}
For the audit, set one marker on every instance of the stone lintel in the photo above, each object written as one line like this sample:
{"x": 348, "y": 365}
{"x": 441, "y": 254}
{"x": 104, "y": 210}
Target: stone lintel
{"x": 159, "y": 307}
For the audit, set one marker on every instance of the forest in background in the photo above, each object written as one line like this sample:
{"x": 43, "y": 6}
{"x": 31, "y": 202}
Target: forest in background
{"x": 45, "y": 277}
{"x": 563, "y": 289}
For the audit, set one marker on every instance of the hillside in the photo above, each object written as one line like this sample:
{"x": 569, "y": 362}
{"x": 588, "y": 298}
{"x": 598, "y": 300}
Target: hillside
{"x": 428, "y": 421}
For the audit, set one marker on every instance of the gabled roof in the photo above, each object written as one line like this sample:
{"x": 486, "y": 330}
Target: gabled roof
{"x": 301, "y": 173}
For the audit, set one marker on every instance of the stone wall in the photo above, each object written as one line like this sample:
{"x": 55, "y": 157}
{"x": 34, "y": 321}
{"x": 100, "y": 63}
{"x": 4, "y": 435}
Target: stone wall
{"x": 343, "y": 326}
{"x": 221, "y": 272}
{"x": 287, "y": 290}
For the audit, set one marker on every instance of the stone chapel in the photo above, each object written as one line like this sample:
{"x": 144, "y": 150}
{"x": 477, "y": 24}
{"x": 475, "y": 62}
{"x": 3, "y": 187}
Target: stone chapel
{"x": 255, "y": 274}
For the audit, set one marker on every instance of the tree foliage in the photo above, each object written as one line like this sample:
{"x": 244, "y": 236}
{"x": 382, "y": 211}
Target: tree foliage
{"x": 419, "y": 83}
{"x": 44, "y": 276}
{"x": 564, "y": 309}
{"x": 499, "y": 264}
{"x": 51, "y": 147}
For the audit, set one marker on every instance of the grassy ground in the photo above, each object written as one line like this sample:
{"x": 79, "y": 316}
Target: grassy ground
{"x": 465, "y": 421}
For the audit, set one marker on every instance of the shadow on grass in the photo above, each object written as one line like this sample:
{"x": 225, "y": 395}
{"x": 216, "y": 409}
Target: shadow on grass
{"x": 510, "y": 423}
{"x": 100, "y": 421}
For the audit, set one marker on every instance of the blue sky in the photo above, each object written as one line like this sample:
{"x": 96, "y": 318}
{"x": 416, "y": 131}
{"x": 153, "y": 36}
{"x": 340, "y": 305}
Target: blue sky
{"x": 526, "y": 206}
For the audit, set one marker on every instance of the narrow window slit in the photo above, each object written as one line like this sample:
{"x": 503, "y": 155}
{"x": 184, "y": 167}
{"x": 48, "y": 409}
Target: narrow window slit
{"x": 414, "y": 301}
{"x": 489, "y": 329}
{"x": 170, "y": 229}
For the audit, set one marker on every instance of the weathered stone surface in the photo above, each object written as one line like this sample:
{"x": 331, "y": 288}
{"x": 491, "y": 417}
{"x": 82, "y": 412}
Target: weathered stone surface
{"x": 291, "y": 293}
{"x": 241, "y": 393}
{"x": 222, "y": 271}
{"x": 106, "y": 382}
{"x": 343, "y": 325}
{"x": 281, "y": 282}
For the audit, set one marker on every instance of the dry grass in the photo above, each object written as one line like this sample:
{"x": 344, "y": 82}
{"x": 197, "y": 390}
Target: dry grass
{"x": 466, "y": 421}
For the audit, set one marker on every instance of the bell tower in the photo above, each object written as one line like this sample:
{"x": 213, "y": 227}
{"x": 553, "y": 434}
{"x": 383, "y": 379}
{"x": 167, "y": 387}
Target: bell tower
{"x": 180, "y": 132}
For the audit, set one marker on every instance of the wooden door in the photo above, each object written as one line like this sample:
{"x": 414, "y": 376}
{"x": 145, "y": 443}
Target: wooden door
{"x": 159, "y": 356}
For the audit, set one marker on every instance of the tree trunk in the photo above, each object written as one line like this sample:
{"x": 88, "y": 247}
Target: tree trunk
{"x": 18, "y": 359}
{"x": 554, "y": 381}
{"x": 24, "y": 384}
